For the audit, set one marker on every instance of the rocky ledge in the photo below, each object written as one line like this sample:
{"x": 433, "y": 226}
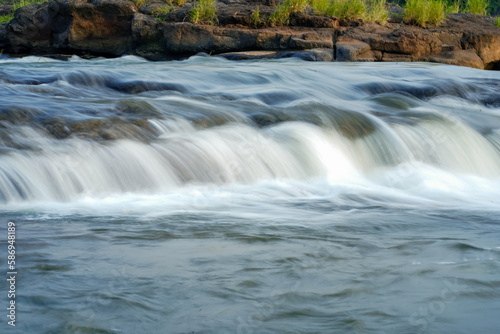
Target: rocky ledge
{"x": 117, "y": 27}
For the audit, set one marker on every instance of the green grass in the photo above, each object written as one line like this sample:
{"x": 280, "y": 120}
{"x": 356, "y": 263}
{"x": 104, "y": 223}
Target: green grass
{"x": 497, "y": 21}
{"x": 437, "y": 12}
{"x": 139, "y": 3}
{"x": 347, "y": 9}
{"x": 179, "y": 2}
{"x": 160, "y": 12}
{"x": 6, "y": 18}
{"x": 22, "y": 3}
{"x": 204, "y": 12}
{"x": 477, "y": 7}
{"x": 281, "y": 14}
{"x": 377, "y": 12}
{"x": 452, "y": 6}
{"x": 423, "y": 12}
{"x": 255, "y": 16}
{"x": 319, "y": 6}
{"x": 16, "y": 5}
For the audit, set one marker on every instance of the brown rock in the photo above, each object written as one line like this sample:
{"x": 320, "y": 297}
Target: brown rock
{"x": 487, "y": 46}
{"x": 101, "y": 27}
{"x": 458, "y": 57}
{"x": 350, "y": 50}
{"x": 148, "y": 37}
{"x": 407, "y": 41}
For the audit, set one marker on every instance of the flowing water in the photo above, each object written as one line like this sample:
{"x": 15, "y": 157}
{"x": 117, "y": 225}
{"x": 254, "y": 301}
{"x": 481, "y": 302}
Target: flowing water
{"x": 209, "y": 196}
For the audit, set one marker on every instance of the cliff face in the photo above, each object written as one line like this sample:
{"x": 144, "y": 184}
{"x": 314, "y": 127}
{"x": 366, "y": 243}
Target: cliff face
{"x": 117, "y": 27}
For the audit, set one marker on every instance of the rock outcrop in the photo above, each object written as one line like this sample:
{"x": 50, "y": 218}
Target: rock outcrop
{"x": 118, "y": 27}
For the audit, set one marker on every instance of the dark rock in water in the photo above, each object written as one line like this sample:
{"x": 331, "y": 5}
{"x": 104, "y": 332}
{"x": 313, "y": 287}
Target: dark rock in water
{"x": 353, "y": 125}
{"x": 16, "y": 115}
{"x": 100, "y": 129}
{"x": 137, "y": 108}
{"x": 57, "y": 127}
{"x": 136, "y": 87}
{"x": 268, "y": 119}
{"x": 421, "y": 91}
{"x": 208, "y": 121}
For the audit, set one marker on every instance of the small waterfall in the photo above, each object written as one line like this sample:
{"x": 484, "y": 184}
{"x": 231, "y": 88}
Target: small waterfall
{"x": 236, "y": 153}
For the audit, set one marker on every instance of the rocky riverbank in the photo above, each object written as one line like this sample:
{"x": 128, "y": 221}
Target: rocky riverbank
{"x": 118, "y": 27}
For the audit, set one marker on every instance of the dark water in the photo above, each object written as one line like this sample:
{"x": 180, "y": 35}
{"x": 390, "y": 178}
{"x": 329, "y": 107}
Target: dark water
{"x": 209, "y": 196}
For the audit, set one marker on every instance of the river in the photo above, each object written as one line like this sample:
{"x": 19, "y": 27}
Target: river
{"x": 280, "y": 196}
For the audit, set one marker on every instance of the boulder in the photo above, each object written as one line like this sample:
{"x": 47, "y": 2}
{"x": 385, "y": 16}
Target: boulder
{"x": 350, "y": 50}
{"x": 147, "y": 37}
{"x": 103, "y": 26}
{"x": 30, "y": 30}
{"x": 458, "y": 57}
{"x": 94, "y": 26}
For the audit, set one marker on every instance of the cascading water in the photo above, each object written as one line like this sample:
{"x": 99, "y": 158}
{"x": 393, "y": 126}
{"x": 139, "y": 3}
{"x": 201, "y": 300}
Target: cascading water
{"x": 328, "y": 191}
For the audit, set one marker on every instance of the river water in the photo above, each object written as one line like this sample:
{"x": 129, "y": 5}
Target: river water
{"x": 209, "y": 196}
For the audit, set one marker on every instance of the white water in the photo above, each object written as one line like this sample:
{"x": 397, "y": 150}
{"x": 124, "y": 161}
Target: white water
{"x": 260, "y": 197}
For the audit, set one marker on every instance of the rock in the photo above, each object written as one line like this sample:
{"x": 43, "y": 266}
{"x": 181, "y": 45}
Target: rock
{"x": 408, "y": 41}
{"x": 148, "y": 37}
{"x": 17, "y": 115}
{"x": 308, "y": 55}
{"x": 350, "y": 50}
{"x": 487, "y": 46}
{"x": 188, "y": 39}
{"x": 30, "y": 30}
{"x": 3, "y": 36}
{"x": 57, "y": 127}
{"x": 313, "y": 21}
{"x": 137, "y": 87}
{"x": 397, "y": 57}
{"x": 99, "y": 27}
{"x": 249, "y": 55}
{"x": 458, "y": 57}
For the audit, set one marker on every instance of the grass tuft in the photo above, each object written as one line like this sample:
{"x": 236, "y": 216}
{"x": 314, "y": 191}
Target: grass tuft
{"x": 281, "y": 14}
{"x": 319, "y": 6}
{"x": 6, "y": 18}
{"x": 347, "y": 9}
{"x": 497, "y": 21}
{"x": 477, "y": 7}
{"x": 423, "y": 12}
{"x": 377, "y": 12}
{"x": 204, "y": 12}
{"x": 256, "y": 17}
{"x": 452, "y": 6}
{"x": 160, "y": 12}
{"x": 139, "y": 3}
{"x": 437, "y": 12}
